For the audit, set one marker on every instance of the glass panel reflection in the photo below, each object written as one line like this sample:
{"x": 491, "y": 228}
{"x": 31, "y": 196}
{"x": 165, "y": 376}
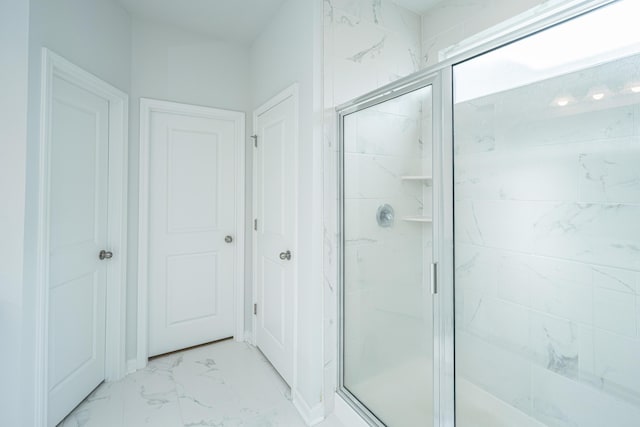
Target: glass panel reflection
{"x": 387, "y": 319}
{"x": 547, "y": 242}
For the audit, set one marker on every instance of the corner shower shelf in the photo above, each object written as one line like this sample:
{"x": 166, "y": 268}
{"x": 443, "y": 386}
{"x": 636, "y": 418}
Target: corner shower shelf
{"x": 417, "y": 219}
{"x": 416, "y": 178}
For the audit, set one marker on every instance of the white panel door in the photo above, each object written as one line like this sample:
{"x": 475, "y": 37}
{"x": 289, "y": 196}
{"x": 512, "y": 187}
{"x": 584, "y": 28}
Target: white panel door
{"x": 275, "y": 235}
{"x": 79, "y": 144}
{"x": 191, "y": 212}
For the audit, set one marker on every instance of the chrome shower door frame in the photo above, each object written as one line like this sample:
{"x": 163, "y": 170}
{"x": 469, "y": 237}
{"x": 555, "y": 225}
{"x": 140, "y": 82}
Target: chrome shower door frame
{"x": 374, "y": 98}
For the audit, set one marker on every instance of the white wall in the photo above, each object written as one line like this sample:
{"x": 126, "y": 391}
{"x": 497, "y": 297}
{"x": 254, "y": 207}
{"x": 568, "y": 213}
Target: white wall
{"x": 367, "y": 44}
{"x": 14, "y": 31}
{"x": 96, "y": 36}
{"x": 146, "y": 60}
{"x": 172, "y": 64}
{"x": 282, "y": 55}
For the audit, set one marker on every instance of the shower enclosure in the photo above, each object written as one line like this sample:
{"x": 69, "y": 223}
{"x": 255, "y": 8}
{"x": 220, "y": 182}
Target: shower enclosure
{"x": 490, "y": 234}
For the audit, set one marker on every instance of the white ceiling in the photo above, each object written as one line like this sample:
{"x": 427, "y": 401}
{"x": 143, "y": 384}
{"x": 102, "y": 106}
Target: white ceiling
{"x": 239, "y": 21}
{"x": 418, "y": 6}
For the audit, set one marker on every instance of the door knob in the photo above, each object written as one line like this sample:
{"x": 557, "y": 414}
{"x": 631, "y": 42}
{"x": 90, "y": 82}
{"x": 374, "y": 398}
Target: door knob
{"x": 285, "y": 255}
{"x": 105, "y": 255}
{"x": 228, "y": 239}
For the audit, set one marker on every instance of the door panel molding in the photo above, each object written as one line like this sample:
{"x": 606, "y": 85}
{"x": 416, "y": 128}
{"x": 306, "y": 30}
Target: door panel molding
{"x": 147, "y": 108}
{"x": 55, "y": 66}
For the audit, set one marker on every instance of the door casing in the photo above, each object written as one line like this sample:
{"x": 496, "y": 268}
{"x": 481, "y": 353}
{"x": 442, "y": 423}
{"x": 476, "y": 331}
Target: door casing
{"x": 54, "y": 65}
{"x": 147, "y": 107}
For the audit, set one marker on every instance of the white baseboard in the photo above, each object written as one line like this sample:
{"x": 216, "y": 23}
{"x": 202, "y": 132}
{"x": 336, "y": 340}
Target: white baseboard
{"x": 248, "y": 337}
{"x": 311, "y": 416}
{"x": 132, "y": 366}
{"x": 346, "y": 415}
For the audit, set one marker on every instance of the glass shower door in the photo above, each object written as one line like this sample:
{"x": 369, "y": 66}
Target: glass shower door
{"x": 386, "y": 299}
{"x": 547, "y": 234}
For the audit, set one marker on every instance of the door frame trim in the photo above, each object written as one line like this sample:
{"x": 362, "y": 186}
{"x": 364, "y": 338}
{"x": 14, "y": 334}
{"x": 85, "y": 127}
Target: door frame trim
{"x": 54, "y": 65}
{"x": 147, "y": 107}
{"x": 290, "y": 92}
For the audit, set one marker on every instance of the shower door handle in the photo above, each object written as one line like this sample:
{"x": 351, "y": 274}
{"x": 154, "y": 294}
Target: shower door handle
{"x": 434, "y": 278}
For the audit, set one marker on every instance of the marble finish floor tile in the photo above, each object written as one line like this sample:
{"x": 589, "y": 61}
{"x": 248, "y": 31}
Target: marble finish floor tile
{"x": 225, "y": 384}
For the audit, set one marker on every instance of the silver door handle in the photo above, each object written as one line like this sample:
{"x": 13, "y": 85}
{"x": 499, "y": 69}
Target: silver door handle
{"x": 228, "y": 239}
{"x": 285, "y": 255}
{"x": 105, "y": 255}
{"x": 434, "y": 278}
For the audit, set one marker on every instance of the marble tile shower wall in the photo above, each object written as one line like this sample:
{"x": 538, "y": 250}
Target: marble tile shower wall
{"x": 367, "y": 44}
{"x": 548, "y": 255}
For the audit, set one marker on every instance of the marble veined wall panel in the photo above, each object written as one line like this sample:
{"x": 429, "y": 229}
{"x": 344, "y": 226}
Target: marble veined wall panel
{"x": 548, "y": 248}
{"x": 370, "y": 43}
